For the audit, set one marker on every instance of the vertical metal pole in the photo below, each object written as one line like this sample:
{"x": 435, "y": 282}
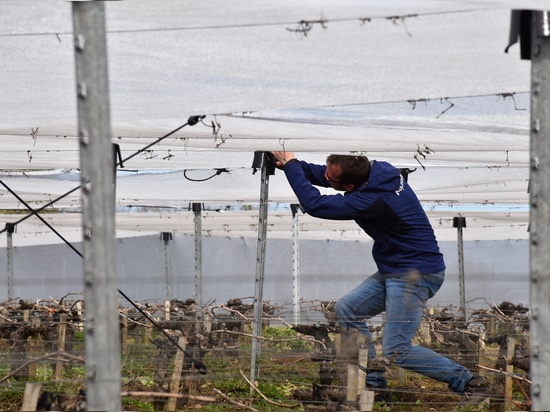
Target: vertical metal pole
{"x": 295, "y": 264}
{"x": 10, "y": 228}
{"x": 460, "y": 222}
{"x": 167, "y": 237}
{"x": 198, "y": 254}
{"x": 98, "y": 208}
{"x": 539, "y": 197}
{"x": 260, "y": 268}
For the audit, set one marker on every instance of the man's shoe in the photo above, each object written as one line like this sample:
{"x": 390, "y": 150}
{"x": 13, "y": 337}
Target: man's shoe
{"x": 378, "y": 365}
{"x": 381, "y": 394}
{"x": 476, "y": 391}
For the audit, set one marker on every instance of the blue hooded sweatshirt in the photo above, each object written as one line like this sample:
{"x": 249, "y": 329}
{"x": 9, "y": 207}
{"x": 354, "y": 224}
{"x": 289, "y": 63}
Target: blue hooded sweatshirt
{"x": 385, "y": 207}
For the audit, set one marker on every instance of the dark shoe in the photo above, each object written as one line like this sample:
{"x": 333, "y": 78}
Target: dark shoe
{"x": 476, "y": 391}
{"x": 381, "y": 394}
{"x": 378, "y": 365}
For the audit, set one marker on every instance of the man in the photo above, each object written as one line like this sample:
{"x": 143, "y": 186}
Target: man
{"x": 410, "y": 266}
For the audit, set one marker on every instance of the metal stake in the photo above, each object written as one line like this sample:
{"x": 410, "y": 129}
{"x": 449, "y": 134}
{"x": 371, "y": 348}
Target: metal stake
{"x": 10, "y": 228}
{"x": 460, "y": 222}
{"x": 167, "y": 237}
{"x": 98, "y": 208}
{"x": 295, "y": 264}
{"x": 198, "y": 254}
{"x": 539, "y": 197}
{"x": 263, "y": 158}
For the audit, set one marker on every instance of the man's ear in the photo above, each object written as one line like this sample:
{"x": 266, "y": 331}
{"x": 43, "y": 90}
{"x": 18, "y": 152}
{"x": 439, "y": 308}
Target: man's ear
{"x": 350, "y": 187}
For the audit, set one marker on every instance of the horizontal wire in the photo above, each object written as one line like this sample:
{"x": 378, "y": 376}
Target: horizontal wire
{"x": 251, "y": 25}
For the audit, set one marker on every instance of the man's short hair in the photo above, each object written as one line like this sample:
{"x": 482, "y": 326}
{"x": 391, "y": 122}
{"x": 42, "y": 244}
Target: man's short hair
{"x": 355, "y": 169}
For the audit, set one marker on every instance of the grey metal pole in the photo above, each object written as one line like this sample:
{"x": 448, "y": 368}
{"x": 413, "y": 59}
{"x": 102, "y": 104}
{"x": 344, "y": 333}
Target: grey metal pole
{"x": 198, "y": 254}
{"x": 102, "y": 339}
{"x": 167, "y": 237}
{"x": 539, "y": 197}
{"x": 295, "y": 264}
{"x": 260, "y": 268}
{"x": 460, "y": 222}
{"x": 10, "y": 228}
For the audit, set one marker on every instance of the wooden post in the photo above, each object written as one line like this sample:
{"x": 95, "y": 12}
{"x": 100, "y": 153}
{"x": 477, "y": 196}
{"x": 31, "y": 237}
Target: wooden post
{"x": 356, "y": 381}
{"x": 366, "y": 400}
{"x": 176, "y": 374}
{"x": 146, "y": 331}
{"x": 61, "y": 336}
{"x": 33, "y": 348}
{"x": 338, "y": 343}
{"x": 124, "y": 334}
{"x": 366, "y": 397}
{"x": 425, "y": 330}
{"x": 352, "y": 391}
{"x": 79, "y": 326}
{"x": 361, "y": 373}
{"x": 167, "y": 306}
{"x": 347, "y": 346}
{"x": 192, "y": 385}
{"x": 508, "y": 381}
{"x": 30, "y": 397}
{"x": 492, "y": 327}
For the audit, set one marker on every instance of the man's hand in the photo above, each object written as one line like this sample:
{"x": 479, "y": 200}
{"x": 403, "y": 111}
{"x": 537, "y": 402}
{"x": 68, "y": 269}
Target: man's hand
{"x": 282, "y": 158}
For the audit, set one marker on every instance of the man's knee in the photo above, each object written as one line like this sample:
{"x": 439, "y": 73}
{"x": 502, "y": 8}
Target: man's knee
{"x": 395, "y": 349}
{"x": 342, "y": 309}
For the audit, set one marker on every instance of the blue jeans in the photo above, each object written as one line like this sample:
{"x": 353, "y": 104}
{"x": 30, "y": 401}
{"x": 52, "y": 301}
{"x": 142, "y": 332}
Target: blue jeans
{"x": 403, "y": 299}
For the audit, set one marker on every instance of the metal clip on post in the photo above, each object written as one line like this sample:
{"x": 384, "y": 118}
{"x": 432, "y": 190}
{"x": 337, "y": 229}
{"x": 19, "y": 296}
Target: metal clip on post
{"x": 264, "y": 158}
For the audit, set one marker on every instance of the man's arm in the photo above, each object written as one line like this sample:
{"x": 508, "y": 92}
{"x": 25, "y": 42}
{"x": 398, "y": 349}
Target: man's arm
{"x": 314, "y": 173}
